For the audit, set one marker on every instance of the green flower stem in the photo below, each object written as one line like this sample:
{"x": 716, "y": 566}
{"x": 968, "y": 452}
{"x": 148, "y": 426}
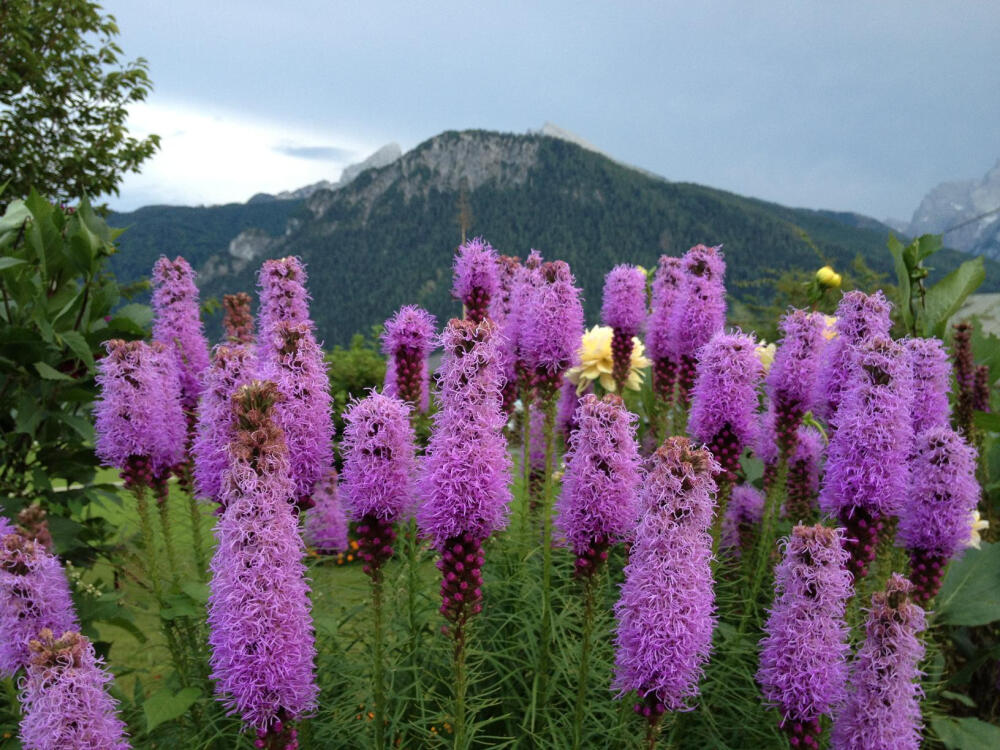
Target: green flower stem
{"x": 543, "y": 653}
{"x": 765, "y": 543}
{"x": 722, "y": 503}
{"x": 591, "y": 587}
{"x": 152, "y": 562}
{"x": 168, "y": 540}
{"x": 460, "y": 687}
{"x": 379, "y": 667}
{"x": 412, "y": 586}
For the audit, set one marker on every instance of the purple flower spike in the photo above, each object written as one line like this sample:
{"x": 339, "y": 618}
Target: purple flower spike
{"x": 666, "y": 609}
{"x": 34, "y": 594}
{"x": 867, "y": 469}
{"x": 791, "y": 382}
{"x": 64, "y": 697}
{"x": 597, "y": 507}
{"x": 297, "y": 366}
{"x": 465, "y": 476}
{"x": 981, "y": 388}
{"x": 741, "y": 523}
{"x": 699, "y": 312}
{"x": 803, "y": 659}
{"x": 177, "y": 323}
{"x": 258, "y": 611}
{"x": 232, "y": 367}
{"x": 406, "y": 341}
{"x": 477, "y": 277}
{"x": 237, "y": 320}
{"x": 502, "y": 312}
{"x": 936, "y": 520}
{"x": 379, "y": 472}
{"x": 931, "y": 383}
{"x": 667, "y": 286}
{"x": 569, "y": 402}
{"x": 624, "y": 310}
{"x": 724, "y": 400}
{"x": 803, "y": 475}
{"x": 139, "y": 421}
{"x": 326, "y": 522}
{"x": 883, "y": 703}
{"x": 283, "y": 296}
{"x": 860, "y": 317}
{"x": 552, "y": 327}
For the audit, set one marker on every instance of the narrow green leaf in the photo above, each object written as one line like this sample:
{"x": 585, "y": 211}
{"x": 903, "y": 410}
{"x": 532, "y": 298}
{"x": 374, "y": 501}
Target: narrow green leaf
{"x": 8, "y": 262}
{"x": 48, "y": 372}
{"x": 902, "y": 280}
{"x": 79, "y": 346}
{"x": 966, "y": 733}
{"x": 166, "y": 705}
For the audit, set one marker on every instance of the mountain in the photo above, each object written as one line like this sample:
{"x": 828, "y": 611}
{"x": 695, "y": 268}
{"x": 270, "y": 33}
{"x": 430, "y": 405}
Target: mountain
{"x": 967, "y": 212}
{"x": 388, "y": 237}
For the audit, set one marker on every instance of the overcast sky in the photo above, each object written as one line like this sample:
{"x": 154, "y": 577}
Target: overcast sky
{"x": 846, "y": 105}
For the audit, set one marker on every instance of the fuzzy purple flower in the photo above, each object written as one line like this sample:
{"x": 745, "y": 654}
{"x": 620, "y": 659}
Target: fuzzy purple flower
{"x": 64, "y": 697}
{"x": 502, "y": 312}
{"x": 931, "y": 383}
{"x": 406, "y": 341}
{"x": 981, "y": 388}
{"x": 139, "y": 421}
{"x": 724, "y": 399}
{"x": 882, "y": 711}
{"x": 535, "y": 453}
{"x": 666, "y": 609}
{"x": 936, "y": 520}
{"x": 237, "y": 321}
{"x": 295, "y": 363}
{"x": 326, "y": 522}
{"x": 465, "y": 476}
{"x": 34, "y": 594}
{"x": 667, "y": 287}
{"x": 258, "y": 610}
{"x": 6, "y": 526}
{"x": 867, "y": 470}
{"x": 803, "y": 659}
{"x": 741, "y": 522}
{"x": 232, "y": 367}
{"x": 177, "y": 323}
{"x": 477, "y": 277}
{"x": 597, "y": 507}
{"x": 803, "y": 475}
{"x": 569, "y": 402}
{"x": 860, "y": 317}
{"x": 791, "y": 381}
{"x": 283, "y": 297}
{"x": 624, "y": 310}
{"x": 379, "y": 472}
{"x": 699, "y": 312}
{"x": 552, "y": 327}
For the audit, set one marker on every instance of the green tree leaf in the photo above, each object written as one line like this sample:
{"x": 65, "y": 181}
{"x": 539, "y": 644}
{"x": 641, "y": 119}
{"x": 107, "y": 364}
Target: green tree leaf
{"x": 166, "y": 705}
{"x": 969, "y": 593}
{"x": 966, "y": 733}
{"x": 903, "y": 279}
{"x": 48, "y": 372}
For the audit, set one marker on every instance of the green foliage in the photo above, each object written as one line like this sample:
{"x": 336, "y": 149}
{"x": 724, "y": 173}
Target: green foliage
{"x": 969, "y": 593}
{"x": 57, "y": 306}
{"x": 64, "y": 99}
{"x": 353, "y": 370}
{"x": 926, "y": 311}
{"x": 965, "y": 734}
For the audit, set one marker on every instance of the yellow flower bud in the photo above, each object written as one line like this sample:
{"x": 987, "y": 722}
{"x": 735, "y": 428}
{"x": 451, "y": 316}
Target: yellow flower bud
{"x": 828, "y": 278}
{"x": 836, "y": 281}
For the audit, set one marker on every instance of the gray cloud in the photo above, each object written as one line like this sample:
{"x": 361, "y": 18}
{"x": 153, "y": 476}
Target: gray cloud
{"x": 315, "y": 153}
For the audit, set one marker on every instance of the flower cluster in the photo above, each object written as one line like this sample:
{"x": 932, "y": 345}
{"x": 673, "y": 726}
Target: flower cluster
{"x": 741, "y": 522}
{"x": 283, "y": 296}
{"x": 965, "y": 376}
{"x": 666, "y": 609}
{"x": 177, "y": 323}
{"x": 64, "y": 696}
{"x": 803, "y": 659}
{"x": 326, "y": 522}
{"x": 803, "y": 475}
{"x": 34, "y": 594}
{"x": 667, "y": 286}
{"x": 931, "y": 383}
{"x": 237, "y": 321}
{"x": 724, "y": 399}
{"x": 551, "y": 327}
{"x": 258, "y": 610}
{"x": 791, "y": 380}
{"x": 477, "y": 278}
{"x": 624, "y": 311}
{"x": 883, "y": 703}
{"x": 699, "y": 312}
{"x": 406, "y": 341}
{"x": 597, "y": 506}
{"x": 934, "y": 523}
{"x": 597, "y": 362}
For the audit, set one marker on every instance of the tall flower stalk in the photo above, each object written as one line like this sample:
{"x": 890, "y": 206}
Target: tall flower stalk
{"x": 406, "y": 341}
{"x": 237, "y": 321}
{"x": 258, "y": 609}
{"x": 477, "y": 278}
{"x": 624, "y": 309}
{"x": 597, "y": 507}
{"x": 667, "y": 286}
{"x": 882, "y": 710}
{"x": 965, "y": 377}
{"x": 803, "y": 660}
{"x": 377, "y": 483}
{"x": 326, "y": 522}
{"x": 464, "y": 482}
{"x": 931, "y": 383}
{"x": 666, "y": 612}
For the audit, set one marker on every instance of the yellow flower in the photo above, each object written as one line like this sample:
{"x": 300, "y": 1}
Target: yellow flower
{"x": 828, "y": 278}
{"x": 765, "y": 353}
{"x": 597, "y": 361}
{"x": 978, "y": 524}
{"x": 829, "y": 327}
